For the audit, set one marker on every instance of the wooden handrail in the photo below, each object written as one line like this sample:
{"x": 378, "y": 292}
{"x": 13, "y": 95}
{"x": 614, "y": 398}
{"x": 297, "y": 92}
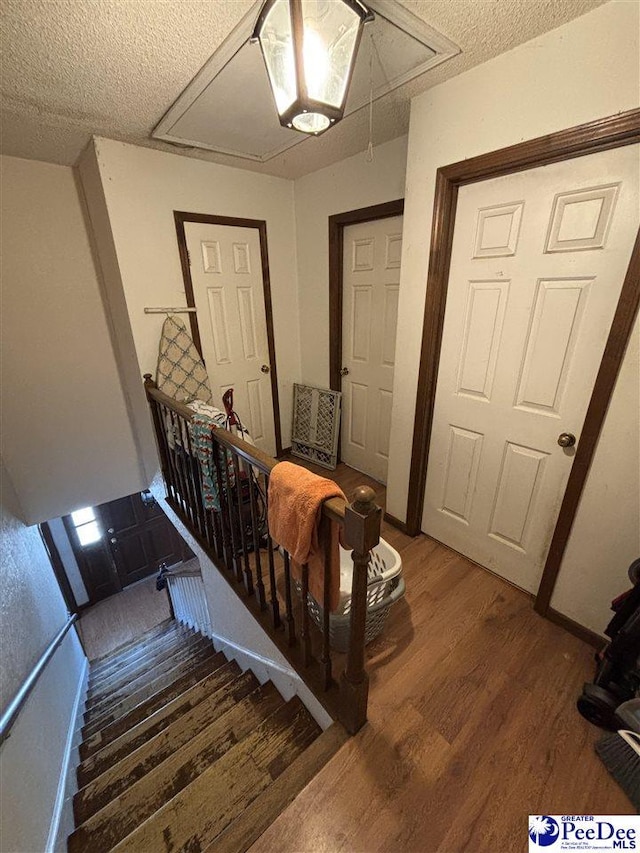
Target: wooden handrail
{"x": 334, "y": 508}
{"x": 10, "y": 715}
{"x": 232, "y": 543}
{"x": 181, "y": 574}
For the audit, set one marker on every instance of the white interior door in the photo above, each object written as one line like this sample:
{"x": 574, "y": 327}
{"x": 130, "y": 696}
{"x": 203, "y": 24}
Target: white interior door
{"x": 371, "y": 276}
{"x": 226, "y": 271}
{"x": 537, "y": 266}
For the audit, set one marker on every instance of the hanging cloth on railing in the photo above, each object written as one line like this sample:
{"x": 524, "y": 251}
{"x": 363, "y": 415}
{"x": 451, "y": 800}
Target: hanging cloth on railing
{"x": 203, "y": 448}
{"x": 295, "y": 506}
{"x": 181, "y": 373}
{"x": 205, "y": 419}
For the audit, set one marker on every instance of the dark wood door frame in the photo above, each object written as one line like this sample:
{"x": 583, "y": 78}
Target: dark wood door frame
{"x": 58, "y": 567}
{"x": 180, "y": 217}
{"x": 337, "y": 224}
{"x": 600, "y": 135}
{"x": 83, "y": 560}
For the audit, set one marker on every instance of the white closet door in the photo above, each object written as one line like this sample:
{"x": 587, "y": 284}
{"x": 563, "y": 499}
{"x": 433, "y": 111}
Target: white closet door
{"x": 537, "y": 266}
{"x": 371, "y": 278}
{"x": 226, "y": 271}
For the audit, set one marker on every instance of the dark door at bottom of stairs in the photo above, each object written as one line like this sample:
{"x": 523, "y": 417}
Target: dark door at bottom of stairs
{"x": 136, "y": 538}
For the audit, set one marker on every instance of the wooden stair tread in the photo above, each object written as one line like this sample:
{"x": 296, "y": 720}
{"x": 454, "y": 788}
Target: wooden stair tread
{"x": 101, "y": 665}
{"x": 128, "y": 669}
{"x": 137, "y": 657}
{"x": 136, "y": 660}
{"x": 183, "y": 751}
{"x": 123, "y": 814}
{"x": 138, "y": 762}
{"x": 131, "y": 673}
{"x": 97, "y": 705}
{"x": 118, "y": 726}
{"x": 159, "y": 683}
{"x": 260, "y": 814}
{"x": 200, "y": 812}
{"x": 158, "y": 629}
{"x": 211, "y": 687}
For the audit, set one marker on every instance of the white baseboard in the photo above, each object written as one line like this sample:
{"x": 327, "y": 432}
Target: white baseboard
{"x": 286, "y": 679}
{"x": 62, "y": 800}
{"x": 257, "y": 658}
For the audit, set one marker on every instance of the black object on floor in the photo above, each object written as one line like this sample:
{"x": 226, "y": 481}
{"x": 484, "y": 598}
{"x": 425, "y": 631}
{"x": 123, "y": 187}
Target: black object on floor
{"x": 617, "y": 676}
{"x": 620, "y": 754}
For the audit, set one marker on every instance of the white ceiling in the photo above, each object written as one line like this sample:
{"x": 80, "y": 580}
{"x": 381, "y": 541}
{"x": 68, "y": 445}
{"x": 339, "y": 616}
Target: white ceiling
{"x": 73, "y": 68}
{"x": 396, "y": 47}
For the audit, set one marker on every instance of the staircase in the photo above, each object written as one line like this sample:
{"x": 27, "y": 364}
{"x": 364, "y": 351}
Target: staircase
{"x": 181, "y": 750}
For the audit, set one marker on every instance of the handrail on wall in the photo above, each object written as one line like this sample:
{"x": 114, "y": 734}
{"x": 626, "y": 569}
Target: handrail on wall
{"x": 10, "y": 715}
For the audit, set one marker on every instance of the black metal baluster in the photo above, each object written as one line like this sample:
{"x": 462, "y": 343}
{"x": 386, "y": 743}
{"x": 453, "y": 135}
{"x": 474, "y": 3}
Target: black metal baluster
{"x": 248, "y": 577}
{"x": 216, "y": 521}
{"x": 196, "y": 484}
{"x": 235, "y": 546}
{"x": 188, "y": 470}
{"x": 179, "y": 460}
{"x": 175, "y": 456}
{"x": 163, "y": 446}
{"x": 164, "y": 425}
{"x": 221, "y": 480}
{"x": 304, "y": 628}
{"x": 273, "y": 590}
{"x": 325, "y": 538}
{"x": 256, "y": 538}
{"x": 291, "y": 627}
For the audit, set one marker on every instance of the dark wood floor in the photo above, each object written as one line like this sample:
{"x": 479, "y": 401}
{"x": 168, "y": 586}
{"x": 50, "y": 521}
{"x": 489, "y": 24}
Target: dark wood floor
{"x": 472, "y": 723}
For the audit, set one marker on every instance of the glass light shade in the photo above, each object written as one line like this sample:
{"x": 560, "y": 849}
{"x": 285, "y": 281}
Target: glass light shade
{"x": 310, "y": 122}
{"x": 309, "y": 48}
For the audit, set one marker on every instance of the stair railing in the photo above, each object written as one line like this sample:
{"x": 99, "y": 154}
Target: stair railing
{"x": 187, "y": 598}
{"x": 236, "y": 539}
{"x": 12, "y": 711}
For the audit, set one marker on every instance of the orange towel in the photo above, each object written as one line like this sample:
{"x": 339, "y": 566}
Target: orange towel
{"x": 295, "y": 503}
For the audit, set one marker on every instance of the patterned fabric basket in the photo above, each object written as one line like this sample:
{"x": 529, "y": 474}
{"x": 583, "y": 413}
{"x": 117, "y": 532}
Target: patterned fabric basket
{"x": 385, "y": 587}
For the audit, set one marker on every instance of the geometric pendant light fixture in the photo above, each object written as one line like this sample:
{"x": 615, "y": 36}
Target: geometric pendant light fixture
{"x": 309, "y": 49}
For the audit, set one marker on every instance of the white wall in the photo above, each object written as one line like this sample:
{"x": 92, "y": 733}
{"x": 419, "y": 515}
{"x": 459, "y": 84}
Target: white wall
{"x": 65, "y": 550}
{"x": 584, "y": 70}
{"x": 34, "y": 757}
{"x": 348, "y": 185}
{"x": 67, "y": 440}
{"x": 606, "y": 533}
{"x": 141, "y": 189}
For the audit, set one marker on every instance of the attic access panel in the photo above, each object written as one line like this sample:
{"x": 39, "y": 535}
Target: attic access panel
{"x": 228, "y": 107}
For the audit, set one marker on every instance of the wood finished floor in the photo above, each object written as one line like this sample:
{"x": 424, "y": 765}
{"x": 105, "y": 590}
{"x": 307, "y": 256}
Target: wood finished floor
{"x": 472, "y": 722}
{"x": 122, "y": 617}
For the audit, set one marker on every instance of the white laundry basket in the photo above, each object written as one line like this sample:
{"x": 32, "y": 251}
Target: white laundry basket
{"x": 385, "y": 587}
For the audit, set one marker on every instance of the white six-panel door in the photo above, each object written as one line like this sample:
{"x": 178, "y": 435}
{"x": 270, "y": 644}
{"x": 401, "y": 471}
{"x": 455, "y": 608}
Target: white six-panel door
{"x": 371, "y": 277}
{"x": 226, "y": 271}
{"x": 537, "y": 266}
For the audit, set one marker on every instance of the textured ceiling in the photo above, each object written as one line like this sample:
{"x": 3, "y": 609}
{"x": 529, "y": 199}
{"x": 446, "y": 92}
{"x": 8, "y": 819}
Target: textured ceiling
{"x": 73, "y": 68}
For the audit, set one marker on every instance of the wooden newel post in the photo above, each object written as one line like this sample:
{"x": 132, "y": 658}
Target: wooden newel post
{"x": 362, "y": 532}
{"x": 148, "y": 383}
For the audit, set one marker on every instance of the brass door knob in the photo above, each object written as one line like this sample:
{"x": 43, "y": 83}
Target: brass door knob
{"x": 265, "y": 368}
{"x": 344, "y": 371}
{"x": 566, "y": 439}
